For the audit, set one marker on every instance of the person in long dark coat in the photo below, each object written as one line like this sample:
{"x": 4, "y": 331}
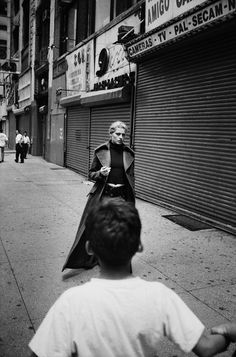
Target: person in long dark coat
{"x": 112, "y": 170}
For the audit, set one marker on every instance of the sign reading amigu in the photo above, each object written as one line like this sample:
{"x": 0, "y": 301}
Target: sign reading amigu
{"x": 206, "y": 15}
{"x": 160, "y": 11}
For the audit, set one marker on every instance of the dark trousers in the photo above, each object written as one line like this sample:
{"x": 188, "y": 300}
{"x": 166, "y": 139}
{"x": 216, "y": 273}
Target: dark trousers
{"x": 2, "y": 148}
{"x": 25, "y": 148}
{"x": 19, "y": 152}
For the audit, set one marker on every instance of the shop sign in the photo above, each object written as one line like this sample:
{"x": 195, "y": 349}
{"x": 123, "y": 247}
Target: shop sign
{"x": 115, "y": 72}
{"x": 112, "y": 68}
{"x": 80, "y": 72}
{"x": 160, "y": 11}
{"x": 198, "y": 19}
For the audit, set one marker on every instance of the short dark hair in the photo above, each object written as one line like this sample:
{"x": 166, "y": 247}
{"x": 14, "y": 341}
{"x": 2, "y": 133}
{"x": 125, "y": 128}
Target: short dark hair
{"x": 113, "y": 229}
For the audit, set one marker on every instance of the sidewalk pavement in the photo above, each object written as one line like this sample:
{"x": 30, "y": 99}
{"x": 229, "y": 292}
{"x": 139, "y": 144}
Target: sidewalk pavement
{"x": 41, "y": 204}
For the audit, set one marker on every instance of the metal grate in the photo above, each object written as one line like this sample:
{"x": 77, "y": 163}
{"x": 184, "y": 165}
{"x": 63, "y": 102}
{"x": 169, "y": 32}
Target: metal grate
{"x": 187, "y": 222}
{"x": 57, "y": 168}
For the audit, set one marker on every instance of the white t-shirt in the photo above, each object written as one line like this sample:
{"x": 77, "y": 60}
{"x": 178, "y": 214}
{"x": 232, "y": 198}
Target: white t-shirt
{"x": 25, "y": 139}
{"x": 18, "y": 138}
{"x": 3, "y": 140}
{"x": 106, "y": 318}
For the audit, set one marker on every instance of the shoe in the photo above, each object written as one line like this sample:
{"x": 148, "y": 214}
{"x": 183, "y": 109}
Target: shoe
{"x": 16, "y": 161}
{"x": 21, "y": 162}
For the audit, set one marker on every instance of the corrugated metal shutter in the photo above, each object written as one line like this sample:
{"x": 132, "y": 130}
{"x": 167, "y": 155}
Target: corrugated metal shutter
{"x": 101, "y": 119}
{"x": 77, "y": 131}
{"x": 24, "y": 123}
{"x": 185, "y": 132}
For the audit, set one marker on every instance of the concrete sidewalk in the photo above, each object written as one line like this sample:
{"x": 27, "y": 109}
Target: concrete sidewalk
{"x": 41, "y": 204}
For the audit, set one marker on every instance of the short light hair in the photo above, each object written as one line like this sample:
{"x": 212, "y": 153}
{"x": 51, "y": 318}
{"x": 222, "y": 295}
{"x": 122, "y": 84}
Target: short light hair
{"x": 117, "y": 124}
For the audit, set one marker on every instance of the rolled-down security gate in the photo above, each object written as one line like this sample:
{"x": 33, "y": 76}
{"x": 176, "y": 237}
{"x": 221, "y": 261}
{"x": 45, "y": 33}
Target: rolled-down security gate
{"x": 185, "y": 129}
{"x": 77, "y": 139}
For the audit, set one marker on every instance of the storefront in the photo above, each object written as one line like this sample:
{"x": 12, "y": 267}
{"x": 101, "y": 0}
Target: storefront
{"x": 23, "y": 121}
{"x": 185, "y": 117}
{"x": 105, "y": 108}
{"x": 100, "y": 82}
{"x": 87, "y": 124}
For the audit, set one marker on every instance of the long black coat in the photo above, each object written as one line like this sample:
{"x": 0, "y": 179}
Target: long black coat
{"x": 78, "y": 257}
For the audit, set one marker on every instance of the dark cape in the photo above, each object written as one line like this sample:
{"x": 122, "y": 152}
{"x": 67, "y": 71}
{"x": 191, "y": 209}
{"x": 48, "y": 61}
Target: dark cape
{"x": 78, "y": 257}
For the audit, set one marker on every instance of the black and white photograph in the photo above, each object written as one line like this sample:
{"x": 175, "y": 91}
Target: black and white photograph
{"x": 117, "y": 178}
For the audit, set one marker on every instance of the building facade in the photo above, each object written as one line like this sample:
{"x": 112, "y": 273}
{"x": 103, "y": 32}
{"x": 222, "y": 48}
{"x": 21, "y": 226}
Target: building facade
{"x": 166, "y": 68}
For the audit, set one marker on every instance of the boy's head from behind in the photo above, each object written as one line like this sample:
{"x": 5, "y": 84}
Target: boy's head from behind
{"x": 113, "y": 230}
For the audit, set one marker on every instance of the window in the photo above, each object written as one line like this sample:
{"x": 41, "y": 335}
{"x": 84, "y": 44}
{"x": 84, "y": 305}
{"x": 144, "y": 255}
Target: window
{"x": 67, "y": 26}
{"x": 16, "y": 6}
{"x": 42, "y": 33}
{"x": 107, "y": 10}
{"x": 3, "y": 49}
{"x": 3, "y": 27}
{"x": 64, "y": 31}
{"x": 45, "y": 27}
{"x": 77, "y": 23}
{"x": 119, "y": 6}
{"x": 81, "y": 18}
{"x": 15, "y": 40}
{"x": 103, "y": 13}
{"x": 85, "y": 19}
{"x": 25, "y": 6}
{"x": 3, "y": 8}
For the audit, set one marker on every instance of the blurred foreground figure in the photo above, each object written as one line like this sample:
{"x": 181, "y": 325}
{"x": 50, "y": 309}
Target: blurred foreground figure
{"x": 117, "y": 314}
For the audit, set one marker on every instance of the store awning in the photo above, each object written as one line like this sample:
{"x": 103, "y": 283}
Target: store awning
{"x": 96, "y": 98}
{"x": 110, "y": 96}
{"x": 70, "y": 100}
{"x": 18, "y": 111}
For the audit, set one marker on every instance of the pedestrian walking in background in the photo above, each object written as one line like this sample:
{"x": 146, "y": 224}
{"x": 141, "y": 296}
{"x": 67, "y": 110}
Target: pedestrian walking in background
{"x": 3, "y": 142}
{"x": 25, "y": 144}
{"x": 19, "y": 148}
{"x": 112, "y": 170}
